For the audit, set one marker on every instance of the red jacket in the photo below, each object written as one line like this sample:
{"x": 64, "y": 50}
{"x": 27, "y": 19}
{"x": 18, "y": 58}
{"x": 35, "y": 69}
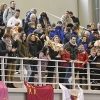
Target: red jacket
{"x": 82, "y": 57}
{"x": 65, "y": 56}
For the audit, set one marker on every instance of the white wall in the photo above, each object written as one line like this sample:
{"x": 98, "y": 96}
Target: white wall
{"x": 86, "y": 12}
{"x": 56, "y": 7}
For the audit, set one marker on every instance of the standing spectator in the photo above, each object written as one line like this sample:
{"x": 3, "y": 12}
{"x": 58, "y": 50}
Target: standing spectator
{"x": 23, "y": 51}
{"x": 35, "y": 46}
{"x": 81, "y": 67}
{"x": 44, "y": 20}
{"x": 2, "y": 9}
{"x": 33, "y": 11}
{"x": 67, "y": 35}
{"x": 3, "y": 48}
{"x": 39, "y": 32}
{"x": 15, "y": 21}
{"x": 33, "y": 20}
{"x": 9, "y": 12}
{"x": 75, "y": 19}
{"x": 66, "y": 19}
{"x": 44, "y": 54}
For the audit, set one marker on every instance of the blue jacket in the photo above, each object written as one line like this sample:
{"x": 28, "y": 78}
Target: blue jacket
{"x": 30, "y": 30}
{"x": 60, "y": 32}
{"x": 52, "y": 33}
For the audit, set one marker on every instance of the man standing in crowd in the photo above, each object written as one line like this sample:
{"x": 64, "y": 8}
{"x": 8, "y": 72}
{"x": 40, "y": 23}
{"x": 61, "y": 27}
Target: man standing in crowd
{"x": 9, "y": 12}
{"x": 66, "y": 19}
{"x": 72, "y": 48}
{"x": 15, "y": 21}
{"x": 75, "y": 19}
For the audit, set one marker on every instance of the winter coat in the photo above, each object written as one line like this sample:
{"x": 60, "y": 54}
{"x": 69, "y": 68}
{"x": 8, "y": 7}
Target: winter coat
{"x": 52, "y": 33}
{"x": 75, "y": 20}
{"x": 73, "y": 49}
{"x": 30, "y": 30}
{"x": 65, "y": 56}
{"x": 67, "y": 37}
{"x": 23, "y": 50}
{"x": 35, "y": 48}
{"x": 42, "y": 23}
{"x": 60, "y": 32}
{"x": 82, "y": 57}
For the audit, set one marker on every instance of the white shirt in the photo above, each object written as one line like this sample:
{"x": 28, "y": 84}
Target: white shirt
{"x": 12, "y": 21}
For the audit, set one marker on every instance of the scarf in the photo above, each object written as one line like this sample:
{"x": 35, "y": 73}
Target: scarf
{"x": 73, "y": 44}
{"x": 8, "y": 44}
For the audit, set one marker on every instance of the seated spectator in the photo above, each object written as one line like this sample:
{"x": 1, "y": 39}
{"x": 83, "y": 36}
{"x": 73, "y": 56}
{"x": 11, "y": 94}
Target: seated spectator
{"x": 67, "y": 35}
{"x": 48, "y": 29}
{"x": 75, "y": 19}
{"x": 28, "y": 14}
{"x": 44, "y": 54}
{"x": 66, "y": 18}
{"x": 44, "y": 20}
{"x": 20, "y": 30}
{"x": 31, "y": 28}
{"x": 52, "y": 32}
{"x": 33, "y": 20}
{"x": 59, "y": 30}
{"x": 93, "y": 28}
{"x": 39, "y": 32}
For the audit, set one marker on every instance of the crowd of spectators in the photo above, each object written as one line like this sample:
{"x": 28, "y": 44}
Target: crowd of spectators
{"x": 37, "y": 38}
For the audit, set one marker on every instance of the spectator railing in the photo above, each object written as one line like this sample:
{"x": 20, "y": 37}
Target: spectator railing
{"x": 19, "y": 79}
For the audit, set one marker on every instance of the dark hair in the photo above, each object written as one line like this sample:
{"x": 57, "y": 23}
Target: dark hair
{"x": 59, "y": 22}
{"x": 21, "y": 36}
{"x": 72, "y": 36}
{"x": 67, "y": 11}
{"x": 53, "y": 25}
{"x": 96, "y": 32}
{"x": 68, "y": 29}
{"x": 74, "y": 28}
{"x": 71, "y": 12}
{"x": 17, "y": 10}
{"x": 88, "y": 26}
{"x": 20, "y": 29}
{"x": 6, "y": 35}
{"x": 11, "y": 1}
{"x": 44, "y": 49}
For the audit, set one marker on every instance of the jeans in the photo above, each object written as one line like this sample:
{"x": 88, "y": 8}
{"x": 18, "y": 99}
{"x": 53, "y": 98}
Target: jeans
{"x": 31, "y": 78}
{"x": 68, "y": 73}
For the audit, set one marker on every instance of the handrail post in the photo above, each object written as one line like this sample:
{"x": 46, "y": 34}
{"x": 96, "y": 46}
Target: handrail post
{"x": 73, "y": 74}
{"x": 2, "y": 69}
{"x": 22, "y": 71}
{"x": 57, "y": 75}
{"x": 39, "y": 73}
{"x": 88, "y": 75}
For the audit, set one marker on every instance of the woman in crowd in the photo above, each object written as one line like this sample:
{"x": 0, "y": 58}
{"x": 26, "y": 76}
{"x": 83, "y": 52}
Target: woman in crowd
{"x": 23, "y": 51}
{"x": 44, "y": 20}
{"x": 44, "y": 54}
{"x": 9, "y": 30}
{"x": 35, "y": 47}
{"x": 11, "y": 62}
{"x": 53, "y": 53}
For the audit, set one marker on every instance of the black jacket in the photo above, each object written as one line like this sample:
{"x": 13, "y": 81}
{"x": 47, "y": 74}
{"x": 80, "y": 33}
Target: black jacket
{"x": 35, "y": 48}
{"x": 3, "y": 50}
{"x": 75, "y": 20}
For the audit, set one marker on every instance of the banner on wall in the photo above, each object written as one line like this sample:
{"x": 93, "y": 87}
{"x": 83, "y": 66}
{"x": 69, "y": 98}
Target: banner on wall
{"x": 39, "y": 92}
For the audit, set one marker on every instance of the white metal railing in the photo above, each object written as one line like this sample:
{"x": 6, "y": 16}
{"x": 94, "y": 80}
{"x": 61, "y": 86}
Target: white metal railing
{"x": 56, "y": 73}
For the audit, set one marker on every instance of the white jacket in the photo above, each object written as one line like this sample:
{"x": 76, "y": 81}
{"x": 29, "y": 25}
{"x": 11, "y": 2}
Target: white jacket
{"x": 12, "y": 21}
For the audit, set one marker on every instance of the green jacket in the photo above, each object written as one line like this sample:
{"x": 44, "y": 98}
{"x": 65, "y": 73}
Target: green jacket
{"x": 23, "y": 51}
